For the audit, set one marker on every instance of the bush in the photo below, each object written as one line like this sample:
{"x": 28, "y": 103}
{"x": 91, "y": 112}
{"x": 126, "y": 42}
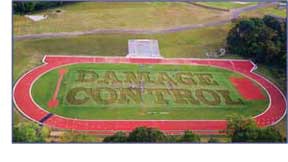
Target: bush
{"x": 29, "y": 132}
{"x": 140, "y": 134}
{"x": 71, "y": 136}
{"x": 190, "y": 137}
{"x": 213, "y": 140}
{"x": 245, "y": 130}
{"x": 117, "y": 137}
{"x": 144, "y": 134}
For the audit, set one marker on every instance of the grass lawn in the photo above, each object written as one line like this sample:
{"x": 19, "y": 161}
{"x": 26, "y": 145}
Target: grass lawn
{"x": 194, "y": 43}
{"x": 91, "y": 15}
{"x": 226, "y": 5}
{"x": 282, "y": 126}
{"x": 148, "y": 107}
{"x": 272, "y": 10}
{"x": 273, "y": 75}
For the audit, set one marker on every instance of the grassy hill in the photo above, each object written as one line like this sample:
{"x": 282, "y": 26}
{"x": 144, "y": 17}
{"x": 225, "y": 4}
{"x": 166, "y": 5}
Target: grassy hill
{"x": 84, "y": 16}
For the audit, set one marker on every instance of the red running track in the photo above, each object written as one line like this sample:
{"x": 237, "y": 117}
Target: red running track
{"x": 25, "y": 103}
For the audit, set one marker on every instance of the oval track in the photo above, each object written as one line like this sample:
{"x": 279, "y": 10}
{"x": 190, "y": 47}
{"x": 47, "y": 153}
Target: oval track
{"x": 25, "y": 103}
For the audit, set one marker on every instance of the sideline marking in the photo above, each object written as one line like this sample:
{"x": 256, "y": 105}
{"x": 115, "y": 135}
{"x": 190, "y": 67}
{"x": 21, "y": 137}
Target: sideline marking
{"x": 46, "y": 117}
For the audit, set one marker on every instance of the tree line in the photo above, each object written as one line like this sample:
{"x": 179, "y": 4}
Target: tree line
{"x": 32, "y": 6}
{"x": 239, "y": 129}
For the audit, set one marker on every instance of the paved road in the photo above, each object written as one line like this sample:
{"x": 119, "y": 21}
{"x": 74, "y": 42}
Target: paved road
{"x": 234, "y": 14}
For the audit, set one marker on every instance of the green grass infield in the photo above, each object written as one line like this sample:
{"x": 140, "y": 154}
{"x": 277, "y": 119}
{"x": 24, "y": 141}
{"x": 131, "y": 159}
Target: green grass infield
{"x": 145, "y": 92}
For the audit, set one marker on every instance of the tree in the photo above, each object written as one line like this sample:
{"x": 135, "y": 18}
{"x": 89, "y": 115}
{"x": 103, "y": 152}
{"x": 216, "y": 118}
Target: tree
{"x": 263, "y": 40}
{"x": 144, "y": 134}
{"x": 23, "y": 7}
{"x": 269, "y": 135}
{"x": 241, "y": 129}
{"x": 117, "y": 137}
{"x": 189, "y": 137}
{"x": 29, "y": 7}
{"x": 29, "y": 132}
{"x": 280, "y": 39}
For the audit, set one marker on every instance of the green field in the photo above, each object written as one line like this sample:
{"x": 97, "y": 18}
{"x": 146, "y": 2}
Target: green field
{"x": 190, "y": 43}
{"x": 226, "y": 5}
{"x": 108, "y": 91}
{"x": 90, "y": 15}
